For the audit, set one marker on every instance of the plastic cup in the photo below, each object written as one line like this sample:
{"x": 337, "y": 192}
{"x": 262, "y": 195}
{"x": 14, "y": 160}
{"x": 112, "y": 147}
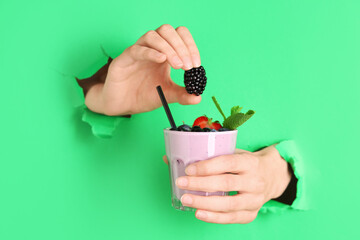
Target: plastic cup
{"x": 184, "y": 148}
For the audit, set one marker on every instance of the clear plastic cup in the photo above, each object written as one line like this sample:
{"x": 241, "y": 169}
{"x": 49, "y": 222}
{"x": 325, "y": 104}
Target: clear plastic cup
{"x": 184, "y": 148}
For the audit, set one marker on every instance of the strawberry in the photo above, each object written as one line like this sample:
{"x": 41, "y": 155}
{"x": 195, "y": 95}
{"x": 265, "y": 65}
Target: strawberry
{"x": 205, "y": 122}
{"x": 215, "y": 125}
{"x": 202, "y": 122}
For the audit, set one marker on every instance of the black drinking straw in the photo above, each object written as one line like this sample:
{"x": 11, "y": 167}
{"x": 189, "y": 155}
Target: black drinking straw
{"x": 166, "y": 107}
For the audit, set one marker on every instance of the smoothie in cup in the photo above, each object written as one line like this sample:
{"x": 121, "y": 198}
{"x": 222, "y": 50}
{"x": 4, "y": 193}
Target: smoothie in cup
{"x": 184, "y": 148}
{"x": 205, "y": 139}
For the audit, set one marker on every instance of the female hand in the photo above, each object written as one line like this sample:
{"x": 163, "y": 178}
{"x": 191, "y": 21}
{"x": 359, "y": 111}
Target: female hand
{"x": 130, "y": 85}
{"x": 256, "y": 177}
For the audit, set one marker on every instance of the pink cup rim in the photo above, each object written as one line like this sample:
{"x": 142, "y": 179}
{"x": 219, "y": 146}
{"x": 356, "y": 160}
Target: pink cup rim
{"x": 200, "y": 133}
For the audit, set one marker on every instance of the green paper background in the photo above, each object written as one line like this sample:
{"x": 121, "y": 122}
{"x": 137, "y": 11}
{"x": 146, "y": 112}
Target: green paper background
{"x": 295, "y": 62}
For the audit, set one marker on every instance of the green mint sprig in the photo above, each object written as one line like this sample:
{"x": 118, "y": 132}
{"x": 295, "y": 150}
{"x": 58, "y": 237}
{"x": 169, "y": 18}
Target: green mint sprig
{"x": 236, "y": 118}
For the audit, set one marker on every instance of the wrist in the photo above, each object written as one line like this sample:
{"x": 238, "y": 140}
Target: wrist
{"x": 96, "y": 102}
{"x": 98, "y": 77}
{"x": 275, "y": 172}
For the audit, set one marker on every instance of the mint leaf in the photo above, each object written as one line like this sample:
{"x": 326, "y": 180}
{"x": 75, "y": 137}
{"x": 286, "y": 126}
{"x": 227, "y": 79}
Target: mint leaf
{"x": 237, "y": 119}
{"x": 235, "y": 109}
{"x": 218, "y": 107}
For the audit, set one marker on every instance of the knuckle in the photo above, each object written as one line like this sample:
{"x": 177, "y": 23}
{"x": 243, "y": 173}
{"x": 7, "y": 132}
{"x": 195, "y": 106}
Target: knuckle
{"x": 237, "y": 203}
{"x": 254, "y": 184}
{"x": 252, "y": 216}
{"x": 182, "y": 29}
{"x": 203, "y": 168}
{"x": 132, "y": 49}
{"x": 215, "y": 217}
{"x": 194, "y": 53}
{"x": 171, "y": 54}
{"x": 197, "y": 201}
{"x": 165, "y": 28}
{"x": 227, "y": 183}
{"x": 180, "y": 48}
{"x": 184, "y": 55}
{"x": 232, "y": 162}
{"x": 230, "y": 204}
{"x": 248, "y": 218}
{"x": 255, "y": 161}
{"x": 183, "y": 50}
{"x": 251, "y": 160}
{"x": 149, "y": 35}
{"x": 261, "y": 185}
{"x": 148, "y": 53}
{"x": 194, "y": 182}
{"x": 233, "y": 217}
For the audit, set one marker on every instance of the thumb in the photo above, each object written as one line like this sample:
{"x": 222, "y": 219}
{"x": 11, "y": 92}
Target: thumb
{"x": 179, "y": 94}
{"x": 239, "y": 151}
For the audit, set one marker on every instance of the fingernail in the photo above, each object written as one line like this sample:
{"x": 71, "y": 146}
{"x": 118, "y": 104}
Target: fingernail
{"x": 182, "y": 182}
{"x": 188, "y": 64}
{"x": 186, "y": 200}
{"x": 190, "y": 170}
{"x": 196, "y": 61}
{"x": 201, "y": 214}
{"x": 177, "y": 61}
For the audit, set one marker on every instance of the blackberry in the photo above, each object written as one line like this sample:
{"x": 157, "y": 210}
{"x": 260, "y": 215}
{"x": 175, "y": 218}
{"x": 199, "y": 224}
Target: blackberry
{"x": 195, "y": 80}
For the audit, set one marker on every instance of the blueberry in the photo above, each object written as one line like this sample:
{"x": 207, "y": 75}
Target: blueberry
{"x": 184, "y": 128}
{"x": 224, "y": 129}
{"x": 207, "y": 129}
{"x": 213, "y": 130}
{"x": 196, "y": 129}
{"x": 173, "y": 129}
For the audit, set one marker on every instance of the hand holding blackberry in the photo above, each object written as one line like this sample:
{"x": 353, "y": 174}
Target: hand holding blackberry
{"x": 126, "y": 84}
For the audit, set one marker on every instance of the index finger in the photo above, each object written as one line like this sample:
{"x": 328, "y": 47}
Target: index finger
{"x": 186, "y": 36}
{"x": 234, "y": 163}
